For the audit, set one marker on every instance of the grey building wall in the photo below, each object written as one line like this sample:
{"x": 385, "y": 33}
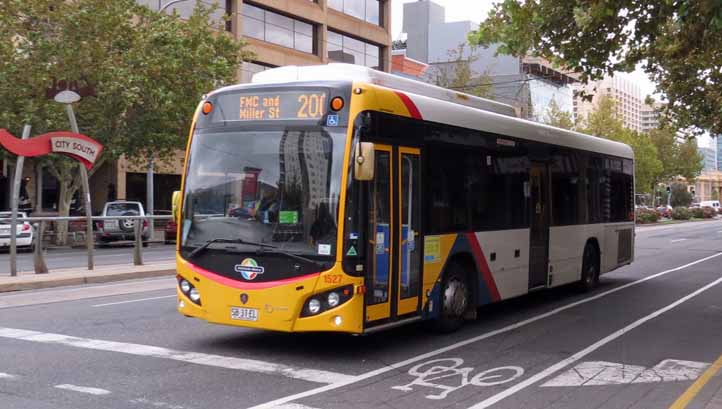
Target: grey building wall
{"x": 709, "y": 158}
{"x": 418, "y": 17}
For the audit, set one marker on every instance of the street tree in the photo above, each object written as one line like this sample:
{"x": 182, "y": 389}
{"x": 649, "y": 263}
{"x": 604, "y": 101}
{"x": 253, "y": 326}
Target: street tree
{"x": 681, "y": 197}
{"x": 676, "y": 43}
{"x": 604, "y": 122}
{"x": 678, "y": 157}
{"x": 557, "y": 117}
{"x": 457, "y": 73}
{"x": 148, "y": 70}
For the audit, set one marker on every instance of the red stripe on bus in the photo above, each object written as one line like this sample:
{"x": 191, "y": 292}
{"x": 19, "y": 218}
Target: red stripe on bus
{"x": 413, "y": 110}
{"x": 483, "y": 266}
{"x": 243, "y": 285}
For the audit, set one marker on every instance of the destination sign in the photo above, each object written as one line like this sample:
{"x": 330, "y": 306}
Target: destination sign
{"x": 280, "y": 105}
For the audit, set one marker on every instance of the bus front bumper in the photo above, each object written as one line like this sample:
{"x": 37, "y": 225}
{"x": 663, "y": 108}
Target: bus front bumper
{"x": 275, "y": 307}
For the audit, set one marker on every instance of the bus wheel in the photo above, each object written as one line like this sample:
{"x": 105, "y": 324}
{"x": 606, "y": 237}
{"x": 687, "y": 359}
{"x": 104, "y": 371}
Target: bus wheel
{"x": 455, "y": 300}
{"x": 590, "y": 268}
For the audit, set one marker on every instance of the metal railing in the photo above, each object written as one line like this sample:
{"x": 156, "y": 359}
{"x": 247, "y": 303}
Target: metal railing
{"x": 40, "y": 224}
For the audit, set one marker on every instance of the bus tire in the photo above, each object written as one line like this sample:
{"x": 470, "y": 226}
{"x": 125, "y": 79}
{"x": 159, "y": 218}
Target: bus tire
{"x": 590, "y": 268}
{"x": 455, "y": 299}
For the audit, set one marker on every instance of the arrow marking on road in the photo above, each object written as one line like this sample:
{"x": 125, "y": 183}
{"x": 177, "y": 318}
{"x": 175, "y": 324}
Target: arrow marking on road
{"x": 597, "y": 373}
{"x": 219, "y": 361}
{"x": 4, "y": 375}
{"x": 677, "y": 240}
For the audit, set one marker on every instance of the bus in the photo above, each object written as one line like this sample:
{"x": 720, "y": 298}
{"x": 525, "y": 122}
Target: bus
{"x": 340, "y": 198}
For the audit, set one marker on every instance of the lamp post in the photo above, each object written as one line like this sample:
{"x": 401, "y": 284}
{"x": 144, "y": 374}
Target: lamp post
{"x": 170, "y": 3}
{"x": 67, "y": 98}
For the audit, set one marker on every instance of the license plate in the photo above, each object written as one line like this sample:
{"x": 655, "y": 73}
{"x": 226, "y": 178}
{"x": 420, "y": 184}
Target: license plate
{"x": 244, "y": 314}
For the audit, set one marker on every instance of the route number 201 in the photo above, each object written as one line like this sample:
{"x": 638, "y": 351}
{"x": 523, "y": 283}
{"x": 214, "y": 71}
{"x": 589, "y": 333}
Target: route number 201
{"x": 312, "y": 105}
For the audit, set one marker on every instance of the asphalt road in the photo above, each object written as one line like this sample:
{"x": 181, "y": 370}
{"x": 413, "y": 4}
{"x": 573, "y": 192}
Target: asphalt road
{"x": 641, "y": 340}
{"x": 77, "y": 257}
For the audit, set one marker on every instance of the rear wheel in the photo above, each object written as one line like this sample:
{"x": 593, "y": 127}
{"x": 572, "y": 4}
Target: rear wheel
{"x": 455, "y": 299}
{"x": 590, "y": 268}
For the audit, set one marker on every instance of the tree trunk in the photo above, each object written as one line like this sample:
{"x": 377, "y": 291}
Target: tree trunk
{"x": 65, "y": 197}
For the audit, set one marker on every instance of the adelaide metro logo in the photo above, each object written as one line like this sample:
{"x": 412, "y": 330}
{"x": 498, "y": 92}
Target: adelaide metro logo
{"x": 249, "y": 269}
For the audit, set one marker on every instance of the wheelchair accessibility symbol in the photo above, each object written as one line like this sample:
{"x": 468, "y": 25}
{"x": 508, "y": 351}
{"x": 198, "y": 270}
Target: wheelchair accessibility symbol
{"x": 447, "y": 376}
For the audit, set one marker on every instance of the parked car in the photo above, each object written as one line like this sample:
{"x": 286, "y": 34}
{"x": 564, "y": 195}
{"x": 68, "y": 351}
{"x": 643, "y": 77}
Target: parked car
{"x": 710, "y": 203}
{"x": 121, "y": 229}
{"x": 24, "y": 232}
{"x": 170, "y": 232}
{"x": 664, "y": 211}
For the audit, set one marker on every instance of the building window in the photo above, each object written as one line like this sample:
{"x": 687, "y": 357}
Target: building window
{"x": 278, "y": 29}
{"x": 367, "y": 10}
{"x": 250, "y": 68}
{"x": 342, "y": 48}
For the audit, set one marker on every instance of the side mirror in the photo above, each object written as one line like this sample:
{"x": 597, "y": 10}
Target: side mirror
{"x": 176, "y": 205}
{"x": 364, "y": 161}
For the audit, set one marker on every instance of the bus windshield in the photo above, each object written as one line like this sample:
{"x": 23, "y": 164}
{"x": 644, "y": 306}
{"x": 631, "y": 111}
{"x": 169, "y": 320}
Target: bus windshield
{"x": 274, "y": 185}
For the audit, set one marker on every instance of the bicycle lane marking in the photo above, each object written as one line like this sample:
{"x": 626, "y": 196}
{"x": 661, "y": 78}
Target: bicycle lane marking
{"x": 586, "y": 351}
{"x": 380, "y": 371}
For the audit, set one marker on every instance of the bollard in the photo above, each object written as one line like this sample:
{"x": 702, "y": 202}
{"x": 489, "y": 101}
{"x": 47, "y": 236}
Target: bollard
{"x": 38, "y": 256}
{"x": 137, "y": 249}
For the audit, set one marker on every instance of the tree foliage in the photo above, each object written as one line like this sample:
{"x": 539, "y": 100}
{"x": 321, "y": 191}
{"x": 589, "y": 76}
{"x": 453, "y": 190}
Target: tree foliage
{"x": 457, "y": 73}
{"x": 148, "y": 71}
{"x": 681, "y": 197}
{"x": 676, "y": 41}
{"x": 557, "y": 117}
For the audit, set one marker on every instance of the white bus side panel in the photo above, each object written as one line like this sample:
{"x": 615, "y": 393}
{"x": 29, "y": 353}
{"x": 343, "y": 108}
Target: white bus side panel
{"x": 510, "y": 272}
{"x": 566, "y": 248}
{"x": 610, "y": 255}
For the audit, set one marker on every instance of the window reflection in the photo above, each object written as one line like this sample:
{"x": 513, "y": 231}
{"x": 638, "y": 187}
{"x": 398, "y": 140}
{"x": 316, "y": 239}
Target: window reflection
{"x": 368, "y": 10}
{"x": 277, "y": 29}
{"x": 342, "y": 48}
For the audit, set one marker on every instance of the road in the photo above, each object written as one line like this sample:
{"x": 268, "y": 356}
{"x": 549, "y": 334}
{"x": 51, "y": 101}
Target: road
{"x": 641, "y": 340}
{"x": 77, "y": 257}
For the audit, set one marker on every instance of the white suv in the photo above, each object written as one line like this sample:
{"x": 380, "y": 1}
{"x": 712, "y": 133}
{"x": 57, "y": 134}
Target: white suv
{"x": 121, "y": 229}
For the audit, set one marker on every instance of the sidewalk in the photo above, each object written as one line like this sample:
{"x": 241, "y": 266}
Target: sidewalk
{"x": 79, "y": 276}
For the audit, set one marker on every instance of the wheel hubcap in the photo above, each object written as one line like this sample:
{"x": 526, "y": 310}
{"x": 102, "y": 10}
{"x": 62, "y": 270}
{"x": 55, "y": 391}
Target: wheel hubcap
{"x": 455, "y": 298}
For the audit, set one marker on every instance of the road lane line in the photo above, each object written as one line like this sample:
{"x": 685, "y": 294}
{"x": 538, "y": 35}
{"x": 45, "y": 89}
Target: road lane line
{"x": 219, "y": 361}
{"x": 4, "y": 375}
{"x": 83, "y": 389}
{"x": 130, "y": 301}
{"x": 677, "y": 240}
{"x": 508, "y": 328}
{"x": 588, "y": 350}
{"x": 693, "y": 390}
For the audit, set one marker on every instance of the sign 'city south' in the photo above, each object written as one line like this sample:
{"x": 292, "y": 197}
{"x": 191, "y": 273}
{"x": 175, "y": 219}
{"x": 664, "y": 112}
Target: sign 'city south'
{"x": 78, "y": 146}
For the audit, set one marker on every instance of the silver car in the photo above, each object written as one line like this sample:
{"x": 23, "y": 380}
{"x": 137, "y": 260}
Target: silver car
{"x": 121, "y": 229}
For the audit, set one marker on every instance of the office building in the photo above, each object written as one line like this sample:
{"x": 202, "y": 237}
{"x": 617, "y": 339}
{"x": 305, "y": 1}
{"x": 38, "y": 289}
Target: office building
{"x": 529, "y": 84}
{"x": 627, "y": 97}
{"x": 649, "y": 116}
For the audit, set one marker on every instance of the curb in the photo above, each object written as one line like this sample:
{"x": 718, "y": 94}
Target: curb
{"x": 86, "y": 279}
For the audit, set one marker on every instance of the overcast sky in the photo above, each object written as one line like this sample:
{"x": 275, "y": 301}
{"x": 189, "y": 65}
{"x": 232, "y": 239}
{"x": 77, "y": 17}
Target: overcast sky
{"x": 476, "y": 10}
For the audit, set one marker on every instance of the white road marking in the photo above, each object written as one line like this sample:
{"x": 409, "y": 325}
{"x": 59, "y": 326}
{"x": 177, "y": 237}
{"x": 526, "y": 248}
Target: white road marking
{"x": 293, "y": 406}
{"x": 609, "y": 373}
{"x": 512, "y": 327}
{"x": 130, "y": 301}
{"x": 250, "y": 365}
{"x": 83, "y": 389}
{"x": 157, "y": 404}
{"x": 677, "y": 240}
{"x": 588, "y": 350}
{"x": 4, "y": 375}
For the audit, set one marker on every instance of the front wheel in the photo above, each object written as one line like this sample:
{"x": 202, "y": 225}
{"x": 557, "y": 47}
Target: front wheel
{"x": 455, "y": 300}
{"x": 590, "y": 268}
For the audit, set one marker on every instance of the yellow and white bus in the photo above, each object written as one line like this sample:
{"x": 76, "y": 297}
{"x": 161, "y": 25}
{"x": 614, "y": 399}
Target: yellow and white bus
{"x": 340, "y": 198}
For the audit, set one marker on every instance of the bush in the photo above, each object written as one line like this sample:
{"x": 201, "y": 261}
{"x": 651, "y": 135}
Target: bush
{"x": 708, "y": 212}
{"x": 681, "y": 213}
{"x": 697, "y": 212}
{"x": 646, "y": 216}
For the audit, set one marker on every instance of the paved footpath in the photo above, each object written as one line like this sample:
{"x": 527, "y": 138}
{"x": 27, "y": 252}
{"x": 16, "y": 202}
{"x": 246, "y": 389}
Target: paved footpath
{"x": 649, "y": 337}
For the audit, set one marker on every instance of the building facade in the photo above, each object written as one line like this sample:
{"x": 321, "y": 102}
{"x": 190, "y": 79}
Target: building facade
{"x": 529, "y": 84}
{"x": 278, "y": 32}
{"x": 710, "y": 158}
{"x": 625, "y": 93}
{"x": 649, "y": 116}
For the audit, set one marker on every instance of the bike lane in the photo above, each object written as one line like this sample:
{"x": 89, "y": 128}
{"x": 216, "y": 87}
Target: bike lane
{"x": 482, "y": 370}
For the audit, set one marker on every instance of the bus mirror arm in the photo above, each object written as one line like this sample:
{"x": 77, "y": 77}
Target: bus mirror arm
{"x": 364, "y": 161}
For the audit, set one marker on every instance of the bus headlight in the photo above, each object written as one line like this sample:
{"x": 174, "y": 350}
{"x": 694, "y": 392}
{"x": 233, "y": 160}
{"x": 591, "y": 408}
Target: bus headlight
{"x": 194, "y": 295}
{"x": 327, "y": 300}
{"x": 333, "y": 299}
{"x": 314, "y": 306}
{"x": 185, "y": 286}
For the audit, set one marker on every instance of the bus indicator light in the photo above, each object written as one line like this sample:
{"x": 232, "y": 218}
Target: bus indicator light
{"x": 337, "y": 103}
{"x": 207, "y": 108}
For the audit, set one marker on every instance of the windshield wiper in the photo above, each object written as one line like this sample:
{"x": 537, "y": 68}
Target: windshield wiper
{"x": 262, "y": 250}
{"x": 226, "y": 240}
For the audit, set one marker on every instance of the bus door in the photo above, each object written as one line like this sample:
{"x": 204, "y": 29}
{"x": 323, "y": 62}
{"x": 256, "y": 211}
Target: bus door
{"x": 394, "y": 253}
{"x": 539, "y": 234}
